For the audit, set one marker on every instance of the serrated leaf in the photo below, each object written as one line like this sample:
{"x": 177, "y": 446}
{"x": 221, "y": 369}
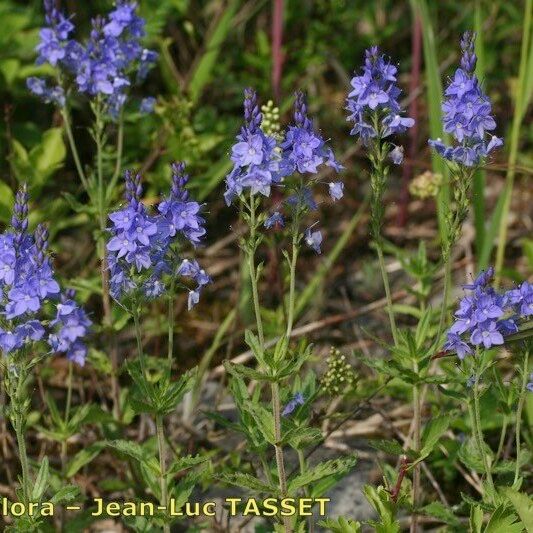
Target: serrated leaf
{"x": 182, "y": 463}
{"x": 503, "y": 519}
{"x": 320, "y": 471}
{"x": 523, "y": 503}
{"x": 247, "y": 481}
{"x": 443, "y": 513}
{"x": 341, "y": 525}
{"x": 392, "y": 447}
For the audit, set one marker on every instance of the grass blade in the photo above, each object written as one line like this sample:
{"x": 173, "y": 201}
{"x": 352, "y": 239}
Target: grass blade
{"x": 498, "y": 224}
{"x": 478, "y": 188}
{"x": 204, "y": 68}
{"x": 434, "y": 96}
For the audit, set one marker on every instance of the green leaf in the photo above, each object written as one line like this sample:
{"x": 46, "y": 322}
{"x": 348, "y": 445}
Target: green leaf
{"x": 443, "y": 513}
{"x": 247, "y": 481}
{"x": 42, "y": 481}
{"x": 6, "y": 202}
{"x": 392, "y": 447}
{"x": 476, "y": 519}
{"x": 422, "y": 328}
{"x": 341, "y": 525}
{"x": 302, "y": 437}
{"x": 316, "y": 473}
{"x": 432, "y": 434}
{"x": 503, "y": 519}
{"x": 83, "y": 457}
{"x": 380, "y": 500}
{"x": 65, "y": 494}
{"x": 182, "y": 463}
{"x": 523, "y": 503}
{"x": 48, "y": 155}
{"x": 135, "y": 451}
{"x": 204, "y": 68}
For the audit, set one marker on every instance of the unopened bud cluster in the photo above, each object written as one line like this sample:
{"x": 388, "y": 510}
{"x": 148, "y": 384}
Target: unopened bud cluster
{"x": 270, "y": 124}
{"x": 340, "y": 374}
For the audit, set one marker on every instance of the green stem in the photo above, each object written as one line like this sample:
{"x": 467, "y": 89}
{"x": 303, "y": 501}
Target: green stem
{"x": 303, "y": 468}
{"x": 170, "y": 352}
{"x": 388, "y": 295}
{"x": 501, "y": 442}
{"x": 64, "y": 445}
{"x": 19, "y": 422}
{"x": 118, "y": 161}
{"x": 280, "y": 463}
{"x": 23, "y": 456}
{"x": 69, "y": 392}
{"x": 104, "y": 272}
{"x": 139, "y": 341}
{"x": 74, "y": 149}
{"x": 292, "y": 283}
{"x": 478, "y": 432}
{"x": 162, "y": 465}
{"x": 445, "y": 296}
{"x": 250, "y": 252}
{"x": 521, "y": 401}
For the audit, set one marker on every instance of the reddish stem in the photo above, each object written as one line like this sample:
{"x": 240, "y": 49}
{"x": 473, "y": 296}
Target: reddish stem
{"x": 395, "y": 492}
{"x": 277, "y": 54}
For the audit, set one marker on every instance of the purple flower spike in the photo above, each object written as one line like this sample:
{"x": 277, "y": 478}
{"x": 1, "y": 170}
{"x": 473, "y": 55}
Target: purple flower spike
{"x": 304, "y": 150}
{"x": 485, "y": 317}
{"x": 375, "y": 96}
{"x": 142, "y": 244}
{"x": 467, "y": 113}
{"x": 255, "y": 156}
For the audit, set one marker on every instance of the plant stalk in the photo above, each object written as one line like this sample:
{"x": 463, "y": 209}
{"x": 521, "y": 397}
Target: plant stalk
{"x": 162, "y": 465}
{"x": 417, "y": 419}
{"x": 521, "y": 402}
{"x": 478, "y": 433}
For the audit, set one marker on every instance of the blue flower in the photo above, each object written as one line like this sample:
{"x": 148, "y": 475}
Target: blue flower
{"x": 336, "y": 190}
{"x": 274, "y": 220}
{"x": 313, "y": 239}
{"x": 71, "y": 325}
{"x": 454, "y": 343}
{"x": 529, "y": 386}
{"x": 147, "y": 105}
{"x": 292, "y": 405}
{"x": 522, "y": 299}
{"x": 374, "y": 100}
{"x": 486, "y": 333}
{"x": 39, "y": 87}
{"x": 486, "y": 316}
{"x": 467, "y": 114}
{"x": 396, "y": 155}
